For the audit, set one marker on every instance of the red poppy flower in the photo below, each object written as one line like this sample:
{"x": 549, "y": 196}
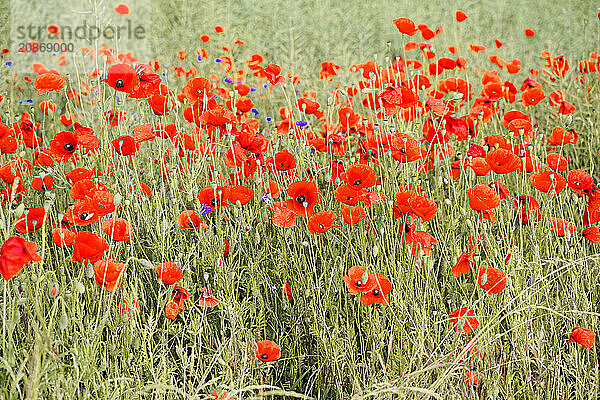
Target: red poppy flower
{"x": 561, "y": 137}
{"x": 221, "y": 395}
{"x": 521, "y": 127}
{"x": 401, "y": 207}
{"x": 422, "y": 207}
{"x": 463, "y": 265}
{"x": 125, "y": 145}
{"x": 123, "y": 78}
{"x": 547, "y": 181}
{"x": 49, "y": 82}
{"x": 532, "y": 96}
{"x": 63, "y": 144}
{"x": 561, "y": 226}
{"x": 144, "y": 132}
{"x": 47, "y": 107}
{"x": 169, "y": 272}
{"x": 347, "y": 195}
{"x": 176, "y": 303}
{"x": 83, "y": 189}
{"x": 583, "y": 336}
{"x": 81, "y": 173}
{"x": 206, "y": 297}
{"x": 31, "y": 220}
{"x": 271, "y": 72}
{"x": 353, "y": 214}
{"x": 503, "y": 161}
{"x": 197, "y": 89}
{"x": 472, "y": 378}
{"x": 88, "y": 247}
{"x": 360, "y": 176}
{"x": 25, "y": 130}
{"x": 162, "y": 103}
{"x": 8, "y": 144}
{"x": 108, "y": 273}
{"x": 287, "y": 292}
{"x": 272, "y": 188}
{"x": 581, "y": 182}
{"x": 215, "y": 198}
{"x": 592, "y": 234}
{"x": 348, "y": 119}
{"x": 267, "y": 350}
{"x": 557, "y": 162}
{"x": 491, "y": 279}
{"x": 122, "y": 9}
{"x": 464, "y": 320}
{"x": 104, "y": 202}
{"x": 83, "y": 214}
{"x": 395, "y": 97}
{"x": 118, "y": 229}
{"x": 14, "y": 254}
{"x": 240, "y": 193}
{"x": 379, "y": 292}
{"x": 461, "y": 16}
{"x": 527, "y": 209}
{"x": 405, "y": 26}
{"x": 480, "y": 166}
{"x": 150, "y": 84}
{"x": 483, "y": 198}
{"x": 63, "y": 237}
{"x": 328, "y": 69}
{"x": 43, "y": 184}
{"x": 113, "y": 118}
{"x": 321, "y": 222}
{"x": 420, "y": 241}
{"x": 140, "y": 188}
{"x": 359, "y": 280}
{"x": 284, "y": 161}
{"x": 304, "y": 196}
{"x": 189, "y": 220}
{"x": 283, "y": 217}
{"x": 217, "y": 116}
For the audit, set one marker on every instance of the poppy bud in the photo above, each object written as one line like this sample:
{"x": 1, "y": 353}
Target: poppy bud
{"x": 20, "y": 208}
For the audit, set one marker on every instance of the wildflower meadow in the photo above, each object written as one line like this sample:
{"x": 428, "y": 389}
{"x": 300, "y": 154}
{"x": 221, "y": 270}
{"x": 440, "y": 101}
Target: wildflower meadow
{"x": 301, "y": 199}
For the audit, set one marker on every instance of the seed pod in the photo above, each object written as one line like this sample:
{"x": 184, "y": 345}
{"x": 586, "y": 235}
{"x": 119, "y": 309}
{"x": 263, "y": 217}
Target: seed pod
{"x": 63, "y": 322}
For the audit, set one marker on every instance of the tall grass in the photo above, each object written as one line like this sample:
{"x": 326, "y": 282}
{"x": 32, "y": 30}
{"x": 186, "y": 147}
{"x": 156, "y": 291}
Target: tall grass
{"x": 78, "y": 343}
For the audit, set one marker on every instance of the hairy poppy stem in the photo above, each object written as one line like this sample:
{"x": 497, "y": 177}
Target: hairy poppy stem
{"x": 4, "y": 316}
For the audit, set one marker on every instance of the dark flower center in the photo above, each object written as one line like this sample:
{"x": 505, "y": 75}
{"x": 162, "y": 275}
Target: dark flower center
{"x": 359, "y": 283}
{"x": 119, "y": 83}
{"x": 357, "y": 182}
{"x": 213, "y": 203}
{"x": 301, "y": 199}
{"x": 264, "y": 356}
{"x": 69, "y": 146}
{"x": 376, "y": 292}
{"x": 86, "y": 216}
